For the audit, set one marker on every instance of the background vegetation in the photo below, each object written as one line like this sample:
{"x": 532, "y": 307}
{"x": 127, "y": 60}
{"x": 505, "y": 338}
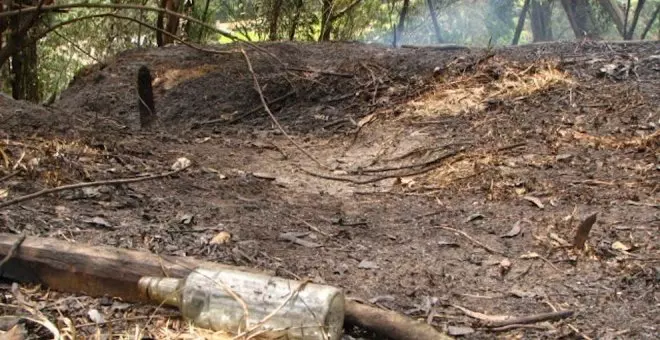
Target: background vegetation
{"x": 38, "y": 71}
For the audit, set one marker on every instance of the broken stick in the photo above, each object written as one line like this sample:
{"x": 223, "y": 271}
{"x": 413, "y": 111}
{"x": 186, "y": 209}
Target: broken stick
{"x": 86, "y": 185}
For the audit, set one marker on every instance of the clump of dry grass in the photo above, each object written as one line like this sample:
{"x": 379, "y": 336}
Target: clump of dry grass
{"x": 473, "y": 92}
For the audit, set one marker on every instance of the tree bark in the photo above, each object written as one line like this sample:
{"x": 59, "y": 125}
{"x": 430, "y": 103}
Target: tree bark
{"x": 579, "y": 13}
{"x": 521, "y": 23}
{"x": 326, "y": 23}
{"x": 650, "y": 23}
{"x": 295, "y": 20}
{"x": 172, "y": 24}
{"x": 329, "y": 16}
{"x": 615, "y": 13}
{"x": 630, "y": 32}
{"x": 24, "y": 59}
{"x": 401, "y": 25}
{"x": 205, "y": 15}
{"x": 541, "y": 16}
{"x": 434, "y": 20}
{"x": 274, "y": 19}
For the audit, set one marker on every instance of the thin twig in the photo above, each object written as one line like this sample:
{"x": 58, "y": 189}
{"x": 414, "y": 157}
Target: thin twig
{"x": 256, "y": 109}
{"x": 515, "y": 326}
{"x": 85, "y": 185}
{"x": 550, "y": 316}
{"x": 381, "y": 178}
{"x": 403, "y": 167}
{"x": 488, "y": 248}
{"x": 4, "y": 178}
{"x": 12, "y": 251}
{"x": 311, "y": 226}
{"x": 257, "y": 88}
{"x": 345, "y": 75}
{"x": 77, "y": 47}
{"x": 578, "y": 331}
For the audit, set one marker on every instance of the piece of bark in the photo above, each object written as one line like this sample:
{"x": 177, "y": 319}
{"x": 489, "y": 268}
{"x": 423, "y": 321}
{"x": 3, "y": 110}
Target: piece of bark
{"x": 145, "y": 97}
{"x": 583, "y": 230}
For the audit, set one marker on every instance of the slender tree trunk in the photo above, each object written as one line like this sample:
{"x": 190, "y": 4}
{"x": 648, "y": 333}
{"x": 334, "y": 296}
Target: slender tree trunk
{"x": 274, "y": 19}
{"x": 521, "y": 23}
{"x": 541, "y": 16}
{"x": 326, "y": 22}
{"x": 205, "y": 17}
{"x": 400, "y": 27}
{"x": 650, "y": 23}
{"x": 625, "y": 21}
{"x": 295, "y": 20}
{"x": 395, "y": 43}
{"x": 434, "y": 20}
{"x": 630, "y": 32}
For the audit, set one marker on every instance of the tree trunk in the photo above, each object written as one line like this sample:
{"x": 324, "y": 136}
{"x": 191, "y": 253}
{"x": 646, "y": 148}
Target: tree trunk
{"x": 24, "y": 60}
{"x": 205, "y": 15}
{"x": 541, "y": 16}
{"x": 401, "y": 26}
{"x": 521, "y": 23}
{"x": 434, "y": 20}
{"x": 25, "y": 79}
{"x": 274, "y": 19}
{"x": 172, "y": 24}
{"x": 650, "y": 23}
{"x": 326, "y": 22}
{"x": 579, "y": 14}
{"x": 630, "y": 31}
{"x": 295, "y": 20}
{"x": 615, "y": 13}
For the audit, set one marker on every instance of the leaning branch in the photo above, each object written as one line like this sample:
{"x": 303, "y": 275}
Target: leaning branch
{"x": 348, "y": 8}
{"x": 139, "y": 7}
{"x": 257, "y": 88}
{"x": 121, "y": 17}
{"x": 86, "y": 185}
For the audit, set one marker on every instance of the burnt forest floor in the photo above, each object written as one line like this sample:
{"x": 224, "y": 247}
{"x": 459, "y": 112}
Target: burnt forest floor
{"x": 513, "y": 147}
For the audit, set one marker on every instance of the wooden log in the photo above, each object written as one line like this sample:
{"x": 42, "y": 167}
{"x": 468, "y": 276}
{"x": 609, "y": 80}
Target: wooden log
{"x": 389, "y": 324}
{"x": 93, "y": 271}
{"x": 106, "y": 271}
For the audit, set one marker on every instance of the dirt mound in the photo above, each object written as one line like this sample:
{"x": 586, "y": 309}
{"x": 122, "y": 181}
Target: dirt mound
{"x": 436, "y": 182}
{"x": 311, "y": 85}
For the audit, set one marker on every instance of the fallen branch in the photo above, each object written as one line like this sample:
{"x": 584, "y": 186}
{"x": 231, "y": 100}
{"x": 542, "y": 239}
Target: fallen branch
{"x": 256, "y": 109}
{"x": 515, "y": 326}
{"x": 498, "y": 321}
{"x": 337, "y": 74}
{"x": 389, "y": 324}
{"x": 8, "y": 176}
{"x": 550, "y": 316}
{"x": 464, "y": 234}
{"x": 243, "y": 115}
{"x": 403, "y": 167}
{"x": 257, "y": 88}
{"x": 378, "y": 179}
{"x": 85, "y": 185}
